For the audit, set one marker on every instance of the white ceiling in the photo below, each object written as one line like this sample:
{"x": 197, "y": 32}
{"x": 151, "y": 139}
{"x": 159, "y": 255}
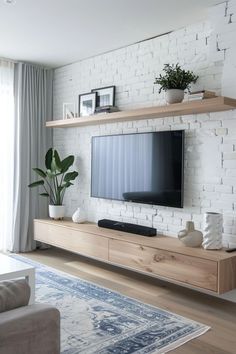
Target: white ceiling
{"x": 58, "y": 32}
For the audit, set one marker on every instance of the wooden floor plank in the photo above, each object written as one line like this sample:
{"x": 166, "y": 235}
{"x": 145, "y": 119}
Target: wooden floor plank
{"x": 219, "y": 314}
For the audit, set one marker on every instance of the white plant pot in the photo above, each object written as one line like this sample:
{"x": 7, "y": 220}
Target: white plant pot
{"x": 56, "y": 212}
{"x": 174, "y": 96}
{"x": 212, "y": 231}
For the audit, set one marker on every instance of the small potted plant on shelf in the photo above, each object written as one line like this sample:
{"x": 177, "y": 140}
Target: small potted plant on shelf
{"x": 55, "y": 180}
{"x": 175, "y": 81}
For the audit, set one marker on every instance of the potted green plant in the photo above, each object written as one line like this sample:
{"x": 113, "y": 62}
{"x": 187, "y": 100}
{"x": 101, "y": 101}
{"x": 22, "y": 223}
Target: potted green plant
{"x": 55, "y": 180}
{"x": 175, "y": 81}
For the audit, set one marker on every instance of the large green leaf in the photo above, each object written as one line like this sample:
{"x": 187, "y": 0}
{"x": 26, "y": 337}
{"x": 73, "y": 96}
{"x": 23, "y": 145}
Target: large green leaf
{"x": 66, "y": 185}
{"x": 52, "y": 174}
{"x": 44, "y": 195}
{"x": 70, "y": 176}
{"x": 48, "y": 158}
{"x": 66, "y": 163}
{"x": 56, "y": 163}
{"x": 57, "y": 160}
{"x": 40, "y": 172}
{"x": 36, "y": 184}
{"x": 53, "y": 166}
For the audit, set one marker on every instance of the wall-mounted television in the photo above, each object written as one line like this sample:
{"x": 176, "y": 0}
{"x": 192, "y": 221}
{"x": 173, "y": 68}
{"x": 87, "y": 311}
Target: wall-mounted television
{"x": 142, "y": 167}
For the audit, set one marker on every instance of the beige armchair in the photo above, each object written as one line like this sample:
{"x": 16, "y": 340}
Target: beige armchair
{"x": 26, "y": 329}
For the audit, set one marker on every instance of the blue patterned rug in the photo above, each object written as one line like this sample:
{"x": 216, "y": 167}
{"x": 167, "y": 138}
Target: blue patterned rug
{"x": 97, "y": 320}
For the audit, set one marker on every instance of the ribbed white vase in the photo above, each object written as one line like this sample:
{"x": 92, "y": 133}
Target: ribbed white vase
{"x": 212, "y": 231}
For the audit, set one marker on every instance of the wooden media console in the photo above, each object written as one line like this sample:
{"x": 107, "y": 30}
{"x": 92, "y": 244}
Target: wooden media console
{"x": 161, "y": 256}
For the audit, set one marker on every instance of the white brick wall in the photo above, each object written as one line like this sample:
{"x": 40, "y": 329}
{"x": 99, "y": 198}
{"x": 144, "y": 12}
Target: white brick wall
{"x": 210, "y": 146}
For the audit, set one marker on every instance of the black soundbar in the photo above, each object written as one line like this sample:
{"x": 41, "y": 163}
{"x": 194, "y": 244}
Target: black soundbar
{"x": 127, "y": 227}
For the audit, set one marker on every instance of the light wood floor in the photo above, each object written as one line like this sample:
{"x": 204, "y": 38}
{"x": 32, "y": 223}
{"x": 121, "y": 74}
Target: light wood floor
{"x": 217, "y": 313}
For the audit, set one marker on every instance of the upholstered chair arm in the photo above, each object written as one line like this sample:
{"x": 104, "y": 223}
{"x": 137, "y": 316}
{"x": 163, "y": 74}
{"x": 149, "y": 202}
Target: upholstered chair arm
{"x": 33, "y": 329}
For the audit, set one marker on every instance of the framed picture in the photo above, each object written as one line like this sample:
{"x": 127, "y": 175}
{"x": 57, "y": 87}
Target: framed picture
{"x": 105, "y": 96}
{"x": 87, "y": 104}
{"x": 68, "y": 110}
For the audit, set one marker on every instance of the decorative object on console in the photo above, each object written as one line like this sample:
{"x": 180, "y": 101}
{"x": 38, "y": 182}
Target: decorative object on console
{"x": 127, "y": 227}
{"x": 78, "y": 216}
{"x": 55, "y": 180}
{"x": 87, "y": 104}
{"x": 105, "y": 96}
{"x": 68, "y": 110}
{"x": 175, "y": 81}
{"x": 189, "y": 236}
{"x": 212, "y": 231}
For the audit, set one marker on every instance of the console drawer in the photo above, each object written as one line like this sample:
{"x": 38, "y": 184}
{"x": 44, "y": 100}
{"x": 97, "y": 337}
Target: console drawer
{"x": 71, "y": 240}
{"x": 190, "y": 270}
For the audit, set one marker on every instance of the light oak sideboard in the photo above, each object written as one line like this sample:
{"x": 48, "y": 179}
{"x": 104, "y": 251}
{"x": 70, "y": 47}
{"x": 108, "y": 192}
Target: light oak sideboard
{"x": 160, "y": 256}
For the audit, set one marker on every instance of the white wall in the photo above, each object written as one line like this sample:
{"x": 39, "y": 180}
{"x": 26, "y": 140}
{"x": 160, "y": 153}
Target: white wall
{"x": 210, "y": 151}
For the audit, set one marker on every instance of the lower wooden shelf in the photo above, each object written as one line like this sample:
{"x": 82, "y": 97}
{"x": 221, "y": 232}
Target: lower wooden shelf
{"x": 159, "y": 256}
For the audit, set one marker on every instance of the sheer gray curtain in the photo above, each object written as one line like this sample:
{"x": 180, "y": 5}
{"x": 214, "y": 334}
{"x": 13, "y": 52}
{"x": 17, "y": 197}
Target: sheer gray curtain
{"x": 6, "y": 148}
{"x": 33, "y": 106}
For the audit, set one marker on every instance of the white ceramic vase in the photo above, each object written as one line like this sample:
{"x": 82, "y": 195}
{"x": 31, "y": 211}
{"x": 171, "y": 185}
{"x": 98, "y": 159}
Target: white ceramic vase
{"x": 78, "y": 216}
{"x": 56, "y": 212}
{"x": 174, "y": 96}
{"x": 189, "y": 236}
{"x": 212, "y": 231}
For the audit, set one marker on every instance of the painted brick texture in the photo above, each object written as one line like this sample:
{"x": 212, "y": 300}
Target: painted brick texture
{"x": 210, "y": 146}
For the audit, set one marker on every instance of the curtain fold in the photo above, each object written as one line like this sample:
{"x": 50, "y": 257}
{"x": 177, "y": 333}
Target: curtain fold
{"x": 6, "y": 148}
{"x": 33, "y": 106}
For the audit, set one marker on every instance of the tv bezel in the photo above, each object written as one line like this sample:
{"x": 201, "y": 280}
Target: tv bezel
{"x": 143, "y": 203}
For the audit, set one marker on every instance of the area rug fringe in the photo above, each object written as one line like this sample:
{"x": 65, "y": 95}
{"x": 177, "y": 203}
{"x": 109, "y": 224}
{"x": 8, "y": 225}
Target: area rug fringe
{"x": 184, "y": 340}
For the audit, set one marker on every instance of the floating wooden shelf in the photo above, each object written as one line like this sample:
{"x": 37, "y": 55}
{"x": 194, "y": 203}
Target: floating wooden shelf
{"x": 216, "y": 104}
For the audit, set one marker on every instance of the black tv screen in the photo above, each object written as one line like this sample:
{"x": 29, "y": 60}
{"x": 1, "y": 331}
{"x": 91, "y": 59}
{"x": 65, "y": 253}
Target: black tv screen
{"x": 143, "y": 167}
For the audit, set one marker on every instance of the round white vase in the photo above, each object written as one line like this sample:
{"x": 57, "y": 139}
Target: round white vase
{"x": 174, "y": 96}
{"x": 56, "y": 212}
{"x": 78, "y": 216}
{"x": 212, "y": 231}
{"x": 189, "y": 236}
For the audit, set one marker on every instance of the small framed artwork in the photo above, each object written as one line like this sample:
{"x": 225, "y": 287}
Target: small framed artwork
{"x": 87, "y": 104}
{"x": 68, "y": 110}
{"x": 105, "y": 96}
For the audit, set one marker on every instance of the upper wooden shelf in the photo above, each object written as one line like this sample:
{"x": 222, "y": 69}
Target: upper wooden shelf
{"x": 216, "y": 104}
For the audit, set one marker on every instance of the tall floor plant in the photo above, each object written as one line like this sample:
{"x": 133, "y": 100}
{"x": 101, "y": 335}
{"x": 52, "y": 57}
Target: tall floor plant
{"x": 56, "y": 178}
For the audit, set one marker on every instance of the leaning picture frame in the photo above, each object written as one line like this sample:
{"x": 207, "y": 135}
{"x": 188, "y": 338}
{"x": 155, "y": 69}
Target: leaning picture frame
{"x": 68, "y": 110}
{"x": 105, "y": 96}
{"x": 87, "y": 104}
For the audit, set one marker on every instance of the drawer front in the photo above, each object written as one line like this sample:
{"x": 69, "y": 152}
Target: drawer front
{"x": 72, "y": 240}
{"x": 194, "y": 271}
